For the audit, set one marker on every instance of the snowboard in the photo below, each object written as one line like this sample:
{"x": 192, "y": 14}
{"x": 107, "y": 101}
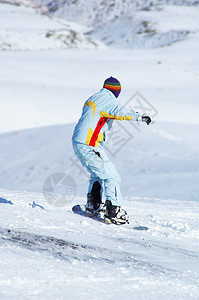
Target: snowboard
{"x": 81, "y": 210}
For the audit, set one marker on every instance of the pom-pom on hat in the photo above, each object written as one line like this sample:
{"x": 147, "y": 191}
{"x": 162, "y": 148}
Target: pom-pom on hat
{"x": 113, "y": 85}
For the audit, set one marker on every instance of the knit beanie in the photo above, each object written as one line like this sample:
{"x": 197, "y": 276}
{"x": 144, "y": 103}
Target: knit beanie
{"x": 113, "y": 85}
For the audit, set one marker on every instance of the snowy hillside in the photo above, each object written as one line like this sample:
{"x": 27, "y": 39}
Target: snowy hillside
{"x": 150, "y": 29}
{"x": 98, "y": 12}
{"x": 121, "y": 24}
{"x": 46, "y": 251}
{"x": 132, "y": 24}
{"x": 32, "y": 31}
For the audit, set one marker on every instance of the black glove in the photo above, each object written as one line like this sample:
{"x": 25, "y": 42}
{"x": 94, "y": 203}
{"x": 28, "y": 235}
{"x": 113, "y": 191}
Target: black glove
{"x": 147, "y": 119}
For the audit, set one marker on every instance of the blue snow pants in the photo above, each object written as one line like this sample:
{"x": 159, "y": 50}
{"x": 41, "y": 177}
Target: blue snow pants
{"x": 101, "y": 169}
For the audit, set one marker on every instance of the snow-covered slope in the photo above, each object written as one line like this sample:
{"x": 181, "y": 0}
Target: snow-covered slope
{"x": 127, "y": 24}
{"x": 22, "y": 28}
{"x": 42, "y": 88}
{"x": 132, "y": 24}
{"x": 51, "y": 253}
{"x": 98, "y": 12}
{"x": 150, "y": 29}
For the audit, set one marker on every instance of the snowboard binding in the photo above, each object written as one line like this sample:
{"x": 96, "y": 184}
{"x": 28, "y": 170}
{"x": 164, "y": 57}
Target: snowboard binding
{"x": 95, "y": 208}
{"x": 115, "y": 215}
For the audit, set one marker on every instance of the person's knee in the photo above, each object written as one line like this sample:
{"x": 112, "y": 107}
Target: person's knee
{"x": 113, "y": 181}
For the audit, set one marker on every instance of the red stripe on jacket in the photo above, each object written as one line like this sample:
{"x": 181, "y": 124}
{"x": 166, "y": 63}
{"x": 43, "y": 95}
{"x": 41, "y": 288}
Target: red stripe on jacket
{"x": 96, "y": 132}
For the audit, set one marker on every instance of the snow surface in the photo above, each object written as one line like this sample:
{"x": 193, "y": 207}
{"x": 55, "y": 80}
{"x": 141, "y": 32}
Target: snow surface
{"x": 47, "y": 252}
{"x": 32, "y": 31}
{"x": 51, "y": 253}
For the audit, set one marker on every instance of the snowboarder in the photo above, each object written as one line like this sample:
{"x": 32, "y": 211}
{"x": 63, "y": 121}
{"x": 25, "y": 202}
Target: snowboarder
{"x": 88, "y": 139}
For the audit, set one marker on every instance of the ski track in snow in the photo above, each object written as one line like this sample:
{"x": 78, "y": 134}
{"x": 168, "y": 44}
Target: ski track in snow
{"x": 137, "y": 261}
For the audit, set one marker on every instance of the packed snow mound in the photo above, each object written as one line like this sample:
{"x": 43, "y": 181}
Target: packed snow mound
{"x": 32, "y": 31}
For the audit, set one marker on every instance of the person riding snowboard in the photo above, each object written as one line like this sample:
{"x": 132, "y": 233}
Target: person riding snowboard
{"x": 88, "y": 139}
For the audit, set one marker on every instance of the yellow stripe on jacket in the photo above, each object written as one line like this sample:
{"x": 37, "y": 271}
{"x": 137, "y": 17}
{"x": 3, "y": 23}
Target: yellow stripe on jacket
{"x": 108, "y": 116}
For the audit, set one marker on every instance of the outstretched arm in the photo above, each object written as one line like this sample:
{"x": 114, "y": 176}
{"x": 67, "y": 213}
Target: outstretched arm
{"x": 118, "y": 112}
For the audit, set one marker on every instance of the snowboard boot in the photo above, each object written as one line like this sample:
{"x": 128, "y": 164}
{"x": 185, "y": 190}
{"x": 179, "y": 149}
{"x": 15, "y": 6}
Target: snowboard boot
{"x": 94, "y": 205}
{"x": 115, "y": 215}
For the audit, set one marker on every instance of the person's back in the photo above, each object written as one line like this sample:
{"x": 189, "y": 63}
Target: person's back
{"x": 97, "y": 112}
{"x": 90, "y": 118}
